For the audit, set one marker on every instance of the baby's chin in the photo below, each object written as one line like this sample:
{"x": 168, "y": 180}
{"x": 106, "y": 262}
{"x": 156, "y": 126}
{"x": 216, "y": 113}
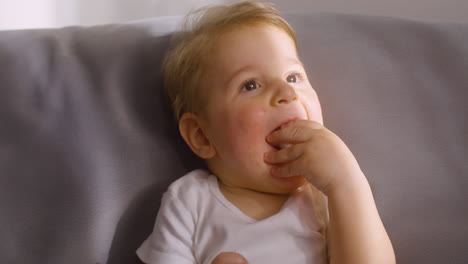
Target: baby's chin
{"x": 290, "y": 185}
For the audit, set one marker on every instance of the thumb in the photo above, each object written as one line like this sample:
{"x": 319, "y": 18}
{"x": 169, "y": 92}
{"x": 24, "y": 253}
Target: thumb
{"x": 294, "y": 132}
{"x": 229, "y": 258}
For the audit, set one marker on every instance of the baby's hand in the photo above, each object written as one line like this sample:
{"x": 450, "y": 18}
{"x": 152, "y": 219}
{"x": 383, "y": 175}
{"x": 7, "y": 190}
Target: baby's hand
{"x": 229, "y": 258}
{"x": 314, "y": 152}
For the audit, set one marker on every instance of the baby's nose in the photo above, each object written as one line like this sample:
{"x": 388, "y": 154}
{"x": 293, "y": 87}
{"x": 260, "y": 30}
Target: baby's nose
{"x": 284, "y": 94}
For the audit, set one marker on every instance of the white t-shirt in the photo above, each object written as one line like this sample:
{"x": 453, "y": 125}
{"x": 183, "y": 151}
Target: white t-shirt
{"x": 196, "y": 222}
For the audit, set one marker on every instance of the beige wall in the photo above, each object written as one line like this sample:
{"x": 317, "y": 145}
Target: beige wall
{"x": 58, "y": 13}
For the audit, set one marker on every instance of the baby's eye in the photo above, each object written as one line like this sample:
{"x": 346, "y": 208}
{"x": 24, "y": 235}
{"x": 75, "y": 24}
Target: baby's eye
{"x": 250, "y": 85}
{"x": 293, "y": 78}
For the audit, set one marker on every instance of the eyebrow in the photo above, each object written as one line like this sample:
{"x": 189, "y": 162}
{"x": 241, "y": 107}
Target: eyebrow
{"x": 292, "y": 61}
{"x": 236, "y": 73}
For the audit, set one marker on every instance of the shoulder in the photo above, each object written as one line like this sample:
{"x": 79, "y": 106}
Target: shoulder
{"x": 191, "y": 180}
{"x": 194, "y": 184}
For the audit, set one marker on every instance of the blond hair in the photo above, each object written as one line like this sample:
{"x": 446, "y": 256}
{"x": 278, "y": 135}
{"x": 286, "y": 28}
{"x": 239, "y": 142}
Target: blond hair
{"x": 184, "y": 64}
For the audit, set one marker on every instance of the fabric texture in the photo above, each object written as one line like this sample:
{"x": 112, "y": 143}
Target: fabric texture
{"x": 88, "y": 144}
{"x": 196, "y": 222}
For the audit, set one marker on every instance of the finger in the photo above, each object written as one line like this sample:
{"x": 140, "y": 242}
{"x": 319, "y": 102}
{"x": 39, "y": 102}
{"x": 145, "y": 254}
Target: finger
{"x": 294, "y": 132}
{"x": 304, "y": 122}
{"x": 284, "y": 155}
{"x": 289, "y": 169}
{"x": 229, "y": 258}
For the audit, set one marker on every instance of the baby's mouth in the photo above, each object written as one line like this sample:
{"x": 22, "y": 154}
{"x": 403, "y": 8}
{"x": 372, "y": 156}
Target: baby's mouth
{"x": 278, "y": 146}
{"x": 275, "y": 146}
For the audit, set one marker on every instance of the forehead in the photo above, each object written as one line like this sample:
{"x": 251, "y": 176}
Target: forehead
{"x": 254, "y": 45}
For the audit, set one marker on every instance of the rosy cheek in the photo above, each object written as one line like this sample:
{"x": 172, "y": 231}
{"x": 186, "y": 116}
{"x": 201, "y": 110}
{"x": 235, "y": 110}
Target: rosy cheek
{"x": 246, "y": 130}
{"x": 313, "y": 108}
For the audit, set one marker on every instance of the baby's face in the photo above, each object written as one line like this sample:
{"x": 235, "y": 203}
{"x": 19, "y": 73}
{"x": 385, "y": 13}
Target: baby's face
{"x": 254, "y": 84}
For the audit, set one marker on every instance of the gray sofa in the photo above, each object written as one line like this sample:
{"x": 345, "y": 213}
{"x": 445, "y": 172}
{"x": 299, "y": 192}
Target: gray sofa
{"x": 88, "y": 144}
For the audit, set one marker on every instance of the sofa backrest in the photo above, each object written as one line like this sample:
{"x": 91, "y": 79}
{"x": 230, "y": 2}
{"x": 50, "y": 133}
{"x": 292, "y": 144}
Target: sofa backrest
{"x": 88, "y": 144}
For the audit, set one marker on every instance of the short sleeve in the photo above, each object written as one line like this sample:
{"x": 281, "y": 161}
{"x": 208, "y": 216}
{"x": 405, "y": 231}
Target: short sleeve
{"x": 172, "y": 237}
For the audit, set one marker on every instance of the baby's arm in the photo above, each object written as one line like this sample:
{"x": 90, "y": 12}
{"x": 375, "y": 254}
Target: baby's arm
{"x": 355, "y": 231}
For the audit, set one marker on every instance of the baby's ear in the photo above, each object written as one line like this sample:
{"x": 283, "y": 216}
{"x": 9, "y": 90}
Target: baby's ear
{"x": 190, "y": 128}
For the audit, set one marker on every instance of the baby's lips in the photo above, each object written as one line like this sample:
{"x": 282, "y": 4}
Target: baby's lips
{"x": 280, "y": 127}
{"x": 285, "y": 124}
{"x": 280, "y": 146}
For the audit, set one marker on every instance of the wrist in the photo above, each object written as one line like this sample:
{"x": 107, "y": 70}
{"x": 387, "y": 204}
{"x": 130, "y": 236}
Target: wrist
{"x": 354, "y": 183}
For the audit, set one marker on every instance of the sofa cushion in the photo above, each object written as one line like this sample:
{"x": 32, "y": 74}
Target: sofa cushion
{"x": 88, "y": 144}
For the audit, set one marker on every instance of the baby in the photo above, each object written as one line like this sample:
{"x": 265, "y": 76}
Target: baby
{"x": 281, "y": 188}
